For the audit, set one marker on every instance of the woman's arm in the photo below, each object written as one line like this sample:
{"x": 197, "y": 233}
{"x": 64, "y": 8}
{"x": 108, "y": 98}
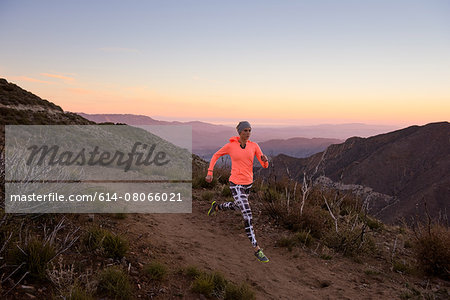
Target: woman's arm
{"x": 222, "y": 151}
{"x": 261, "y": 157}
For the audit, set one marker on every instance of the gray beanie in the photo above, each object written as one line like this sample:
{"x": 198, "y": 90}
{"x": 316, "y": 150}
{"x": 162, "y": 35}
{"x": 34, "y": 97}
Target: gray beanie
{"x": 242, "y": 125}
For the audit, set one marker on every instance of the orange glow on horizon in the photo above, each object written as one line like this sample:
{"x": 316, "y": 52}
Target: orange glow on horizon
{"x": 321, "y": 106}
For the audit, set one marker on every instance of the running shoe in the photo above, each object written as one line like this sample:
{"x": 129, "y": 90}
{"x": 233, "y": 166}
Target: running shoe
{"x": 261, "y": 257}
{"x": 212, "y": 210}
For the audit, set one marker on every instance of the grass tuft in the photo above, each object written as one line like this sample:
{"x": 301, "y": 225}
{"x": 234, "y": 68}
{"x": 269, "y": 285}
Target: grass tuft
{"x": 115, "y": 283}
{"x": 238, "y": 292}
{"x": 156, "y": 271}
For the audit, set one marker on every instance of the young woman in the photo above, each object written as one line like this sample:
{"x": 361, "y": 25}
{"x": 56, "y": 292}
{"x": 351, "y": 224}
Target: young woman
{"x": 242, "y": 151}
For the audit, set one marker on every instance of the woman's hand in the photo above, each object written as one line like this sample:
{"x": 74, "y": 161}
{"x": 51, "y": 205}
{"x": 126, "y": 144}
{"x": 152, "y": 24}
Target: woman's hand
{"x": 208, "y": 178}
{"x": 264, "y": 158}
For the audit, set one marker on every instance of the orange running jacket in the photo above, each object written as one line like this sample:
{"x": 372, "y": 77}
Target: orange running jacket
{"x": 241, "y": 160}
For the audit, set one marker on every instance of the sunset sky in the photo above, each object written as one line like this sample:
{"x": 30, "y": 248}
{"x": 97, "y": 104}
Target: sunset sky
{"x": 269, "y": 62}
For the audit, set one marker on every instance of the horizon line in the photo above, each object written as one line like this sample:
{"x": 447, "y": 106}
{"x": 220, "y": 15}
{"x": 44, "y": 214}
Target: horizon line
{"x": 270, "y": 122}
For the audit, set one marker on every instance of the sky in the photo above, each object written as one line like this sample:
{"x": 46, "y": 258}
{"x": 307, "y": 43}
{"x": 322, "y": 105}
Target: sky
{"x": 269, "y": 62}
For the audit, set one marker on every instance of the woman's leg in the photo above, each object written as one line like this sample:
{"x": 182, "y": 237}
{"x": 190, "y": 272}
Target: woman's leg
{"x": 240, "y": 195}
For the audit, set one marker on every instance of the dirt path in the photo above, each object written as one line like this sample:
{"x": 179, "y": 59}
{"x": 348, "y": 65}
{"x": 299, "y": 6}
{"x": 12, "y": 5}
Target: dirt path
{"x": 219, "y": 243}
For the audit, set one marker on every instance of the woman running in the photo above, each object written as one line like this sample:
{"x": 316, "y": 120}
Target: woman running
{"x": 242, "y": 151}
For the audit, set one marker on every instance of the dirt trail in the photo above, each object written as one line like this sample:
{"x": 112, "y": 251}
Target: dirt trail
{"x": 219, "y": 243}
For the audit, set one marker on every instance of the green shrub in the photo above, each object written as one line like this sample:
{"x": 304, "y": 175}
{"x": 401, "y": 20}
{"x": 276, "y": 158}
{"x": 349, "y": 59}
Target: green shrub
{"x": 209, "y": 284}
{"x": 114, "y": 246}
{"x": 241, "y": 292}
{"x": 155, "y": 270}
{"x": 93, "y": 238}
{"x": 115, "y": 283}
{"x": 192, "y": 272}
{"x": 219, "y": 281}
{"x": 203, "y": 285}
{"x": 36, "y": 257}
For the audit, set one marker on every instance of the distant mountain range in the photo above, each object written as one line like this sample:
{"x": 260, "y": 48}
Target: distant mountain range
{"x": 298, "y": 141}
{"x": 409, "y": 167}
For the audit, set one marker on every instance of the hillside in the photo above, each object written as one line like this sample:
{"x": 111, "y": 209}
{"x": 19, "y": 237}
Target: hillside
{"x": 410, "y": 166}
{"x": 18, "y": 106}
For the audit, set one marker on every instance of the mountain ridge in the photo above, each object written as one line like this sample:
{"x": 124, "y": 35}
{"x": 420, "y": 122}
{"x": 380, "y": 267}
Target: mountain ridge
{"x": 409, "y": 164}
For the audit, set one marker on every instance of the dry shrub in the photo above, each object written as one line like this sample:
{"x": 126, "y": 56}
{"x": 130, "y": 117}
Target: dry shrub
{"x": 313, "y": 219}
{"x": 351, "y": 243}
{"x": 338, "y": 218}
{"x": 198, "y": 181}
{"x": 220, "y": 175}
{"x": 432, "y": 249}
{"x": 207, "y": 196}
{"x": 299, "y": 238}
{"x": 69, "y": 283}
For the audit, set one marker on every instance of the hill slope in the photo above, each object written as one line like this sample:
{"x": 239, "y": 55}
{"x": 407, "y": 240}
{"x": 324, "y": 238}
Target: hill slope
{"x": 18, "y": 106}
{"x": 411, "y": 164}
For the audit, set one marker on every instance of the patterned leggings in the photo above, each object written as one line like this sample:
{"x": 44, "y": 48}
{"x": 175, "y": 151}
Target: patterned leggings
{"x": 240, "y": 195}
